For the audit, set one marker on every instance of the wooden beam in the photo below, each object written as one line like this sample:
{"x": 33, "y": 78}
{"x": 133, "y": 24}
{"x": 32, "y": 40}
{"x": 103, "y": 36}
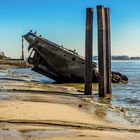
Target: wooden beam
{"x": 88, "y": 51}
{"x": 101, "y": 50}
{"x": 22, "y": 56}
{"x": 108, "y": 52}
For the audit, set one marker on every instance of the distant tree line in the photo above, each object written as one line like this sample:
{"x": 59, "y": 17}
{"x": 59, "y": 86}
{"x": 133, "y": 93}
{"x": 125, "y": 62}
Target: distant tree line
{"x": 2, "y": 55}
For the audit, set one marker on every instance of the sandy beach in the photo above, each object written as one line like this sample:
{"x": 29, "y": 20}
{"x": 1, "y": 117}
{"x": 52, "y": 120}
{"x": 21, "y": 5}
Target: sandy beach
{"x": 41, "y": 111}
{"x": 70, "y": 70}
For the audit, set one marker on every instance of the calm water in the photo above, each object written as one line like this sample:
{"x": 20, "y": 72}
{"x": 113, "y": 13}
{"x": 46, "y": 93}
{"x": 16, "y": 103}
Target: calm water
{"x": 127, "y": 94}
{"x": 123, "y": 94}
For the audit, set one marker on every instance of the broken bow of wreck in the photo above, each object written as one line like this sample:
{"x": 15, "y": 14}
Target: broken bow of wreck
{"x": 59, "y": 63}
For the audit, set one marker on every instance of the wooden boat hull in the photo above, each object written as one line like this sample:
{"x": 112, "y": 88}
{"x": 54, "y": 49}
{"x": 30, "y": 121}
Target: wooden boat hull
{"x": 57, "y": 62}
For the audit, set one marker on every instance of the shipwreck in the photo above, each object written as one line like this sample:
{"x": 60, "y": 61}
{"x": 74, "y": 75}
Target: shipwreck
{"x": 59, "y": 63}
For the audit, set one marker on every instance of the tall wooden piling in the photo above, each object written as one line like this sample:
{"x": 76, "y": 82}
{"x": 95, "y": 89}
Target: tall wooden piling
{"x": 101, "y": 50}
{"x": 88, "y": 51}
{"x": 108, "y": 52}
{"x": 22, "y": 56}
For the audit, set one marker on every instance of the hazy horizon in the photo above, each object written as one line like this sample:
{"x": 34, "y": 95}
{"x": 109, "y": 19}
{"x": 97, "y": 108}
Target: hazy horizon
{"x": 63, "y": 22}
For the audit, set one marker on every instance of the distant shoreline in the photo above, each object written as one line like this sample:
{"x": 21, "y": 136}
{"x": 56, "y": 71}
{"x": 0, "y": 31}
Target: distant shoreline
{"x": 15, "y": 62}
{"x": 119, "y": 59}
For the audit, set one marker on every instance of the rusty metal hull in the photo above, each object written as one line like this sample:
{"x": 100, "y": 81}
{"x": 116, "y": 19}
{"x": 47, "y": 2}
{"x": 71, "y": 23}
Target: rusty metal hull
{"x": 57, "y": 62}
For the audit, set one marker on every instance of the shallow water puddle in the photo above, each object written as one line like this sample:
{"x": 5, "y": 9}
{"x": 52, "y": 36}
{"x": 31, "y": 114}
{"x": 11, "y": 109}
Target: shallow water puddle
{"x": 3, "y": 74}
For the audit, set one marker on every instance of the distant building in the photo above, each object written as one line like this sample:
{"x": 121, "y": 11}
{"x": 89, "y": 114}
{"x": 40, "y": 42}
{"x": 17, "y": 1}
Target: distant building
{"x": 95, "y": 58}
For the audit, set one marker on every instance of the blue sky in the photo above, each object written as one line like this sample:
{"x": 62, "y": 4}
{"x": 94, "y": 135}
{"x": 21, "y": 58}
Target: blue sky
{"x": 63, "y": 21}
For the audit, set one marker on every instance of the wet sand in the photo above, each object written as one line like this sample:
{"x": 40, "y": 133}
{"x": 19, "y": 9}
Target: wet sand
{"x": 37, "y": 111}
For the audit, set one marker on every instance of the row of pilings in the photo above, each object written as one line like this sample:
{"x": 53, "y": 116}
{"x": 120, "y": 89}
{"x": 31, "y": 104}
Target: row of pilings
{"x": 104, "y": 51}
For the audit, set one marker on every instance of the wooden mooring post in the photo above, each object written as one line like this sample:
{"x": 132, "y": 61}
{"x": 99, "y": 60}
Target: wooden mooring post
{"x": 101, "y": 50}
{"x": 88, "y": 51}
{"x": 108, "y": 52}
{"x": 22, "y": 56}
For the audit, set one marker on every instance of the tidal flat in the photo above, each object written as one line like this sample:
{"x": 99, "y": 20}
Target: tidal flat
{"x": 36, "y": 108}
